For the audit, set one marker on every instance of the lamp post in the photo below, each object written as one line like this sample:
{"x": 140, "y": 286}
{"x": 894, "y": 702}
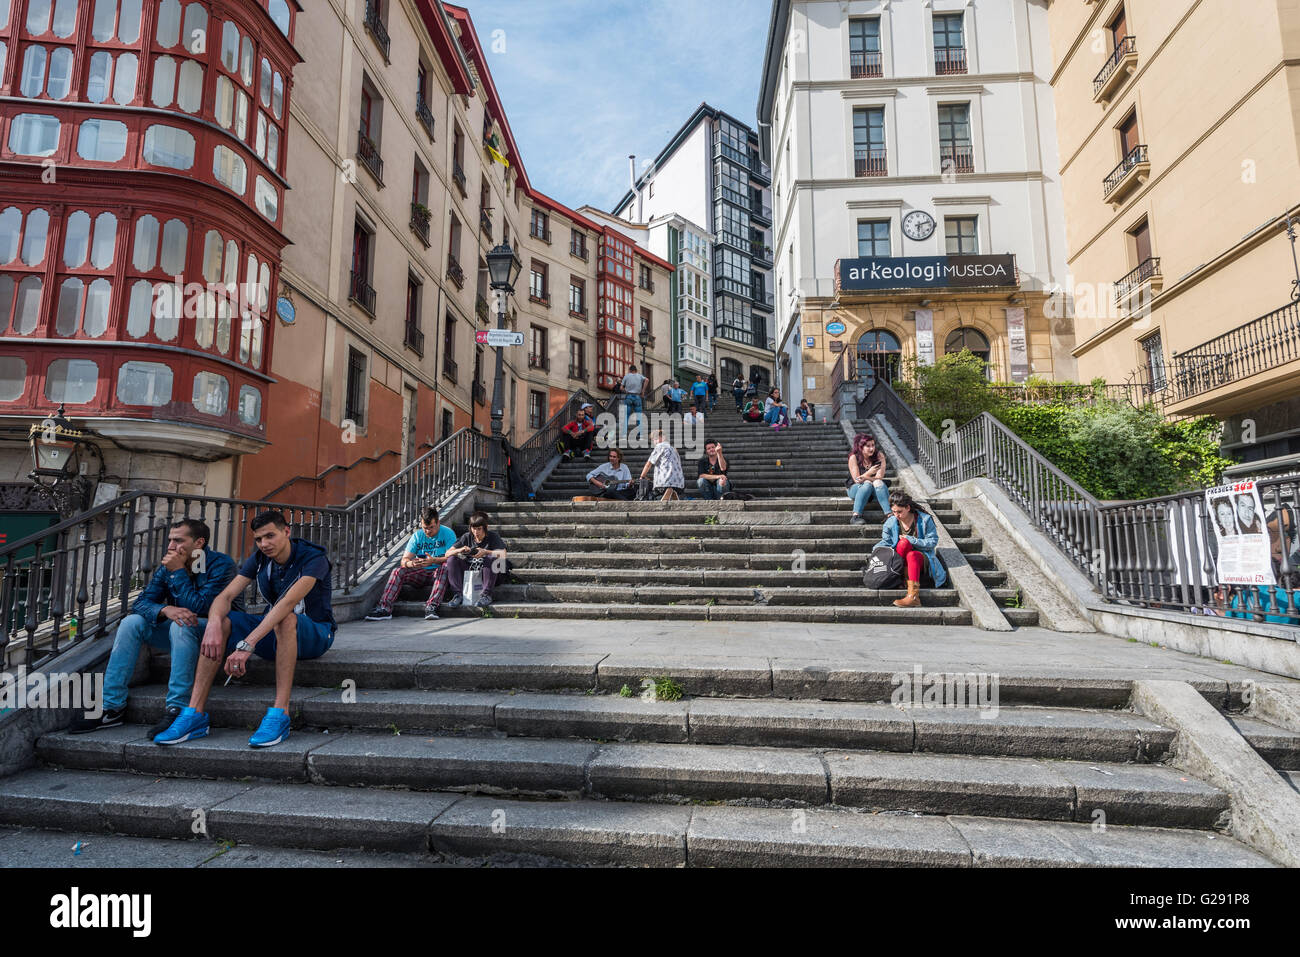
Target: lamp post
{"x": 643, "y": 337}
{"x": 56, "y": 456}
{"x": 503, "y": 268}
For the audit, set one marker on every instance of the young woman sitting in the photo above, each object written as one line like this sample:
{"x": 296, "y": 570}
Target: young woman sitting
{"x": 775, "y": 412}
{"x": 866, "y": 477}
{"x": 913, "y": 534}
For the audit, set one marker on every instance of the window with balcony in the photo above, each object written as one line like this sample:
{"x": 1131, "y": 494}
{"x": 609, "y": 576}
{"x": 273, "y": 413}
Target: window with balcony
{"x": 956, "y": 152}
{"x": 414, "y": 337}
{"x": 423, "y": 111}
{"x": 578, "y": 360}
{"x": 1145, "y": 277}
{"x": 538, "y": 289}
{"x": 1154, "y": 352}
{"x": 536, "y": 409}
{"x": 873, "y": 237}
{"x": 1134, "y": 160}
{"x": 458, "y": 162}
{"x": 647, "y": 281}
{"x": 961, "y": 234}
{"x": 354, "y": 400}
{"x": 360, "y": 289}
{"x": 540, "y": 226}
{"x": 1121, "y": 61}
{"x": 864, "y": 47}
{"x": 449, "y": 367}
{"x": 539, "y": 355}
{"x": 454, "y": 270}
{"x": 949, "y": 44}
{"x": 479, "y": 388}
{"x": 577, "y": 297}
{"x": 420, "y": 214}
{"x": 485, "y": 207}
{"x": 376, "y": 24}
{"x": 578, "y": 244}
{"x": 869, "y": 156}
{"x": 368, "y": 130}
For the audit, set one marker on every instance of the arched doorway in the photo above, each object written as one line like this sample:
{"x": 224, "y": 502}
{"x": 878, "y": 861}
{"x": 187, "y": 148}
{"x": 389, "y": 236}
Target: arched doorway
{"x": 731, "y": 369}
{"x": 972, "y": 340}
{"x": 761, "y": 377}
{"x": 879, "y": 355}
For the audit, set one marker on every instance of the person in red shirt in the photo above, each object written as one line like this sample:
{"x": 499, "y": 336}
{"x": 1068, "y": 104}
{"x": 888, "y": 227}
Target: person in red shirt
{"x": 579, "y": 434}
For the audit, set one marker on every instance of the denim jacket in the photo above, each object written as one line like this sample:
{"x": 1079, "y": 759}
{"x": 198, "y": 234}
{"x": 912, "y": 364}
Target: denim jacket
{"x": 925, "y": 540}
{"x": 184, "y": 590}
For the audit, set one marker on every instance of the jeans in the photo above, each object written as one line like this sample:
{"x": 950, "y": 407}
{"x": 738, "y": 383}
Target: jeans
{"x": 740, "y": 398}
{"x": 775, "y": 415}
{"x": 183, "y": 643}
{"x": 713, "y": 490}
{"x": 633, "y": 403}
{"x": 861, "y": 494}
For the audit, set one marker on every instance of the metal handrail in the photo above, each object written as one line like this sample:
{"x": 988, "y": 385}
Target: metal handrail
{"x": 1122, "y": 49}
{"x": 535, "y": 454}
{"x": 1257, "y": 346}
{"x": 1136, "y": 157}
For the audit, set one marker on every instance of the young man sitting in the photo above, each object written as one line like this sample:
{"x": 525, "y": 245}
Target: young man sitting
{"x": 478, "y": 550}
{"x": 423, "y": 564}
{"x": 713, "y": 482}
{"x": 753, "y": 411}
{"x": 612, "y": 479}
{"x": 294, "y": 577}
{"x": 169, "y": 615}
{"x": 579, "y": 434}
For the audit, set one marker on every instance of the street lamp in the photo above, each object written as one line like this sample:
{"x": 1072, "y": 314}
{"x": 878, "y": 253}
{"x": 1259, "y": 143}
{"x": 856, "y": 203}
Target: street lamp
{"x": 503, "y": 270}
{"x": 56, "y": 456}
{"x": 643, "y": 337}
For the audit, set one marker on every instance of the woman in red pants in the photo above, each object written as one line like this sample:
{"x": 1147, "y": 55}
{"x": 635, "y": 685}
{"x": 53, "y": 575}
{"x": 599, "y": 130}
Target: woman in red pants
{"x": 912, "y": 533}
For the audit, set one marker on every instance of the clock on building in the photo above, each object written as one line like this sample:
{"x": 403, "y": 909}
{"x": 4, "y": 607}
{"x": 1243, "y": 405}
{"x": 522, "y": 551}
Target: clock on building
{"x": 918, "y": 225}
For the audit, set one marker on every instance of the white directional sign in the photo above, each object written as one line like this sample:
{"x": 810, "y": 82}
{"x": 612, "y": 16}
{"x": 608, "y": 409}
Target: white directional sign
{"x": 498, "y": 338}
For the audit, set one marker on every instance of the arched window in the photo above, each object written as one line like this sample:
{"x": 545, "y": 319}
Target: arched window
{"x": 968, "y": 338}
{"x": 279, "y": 10}
{"x": 762, "y": 379}
{"x": 879, "y": 355}
{"x": 13, "y": 370}
{"x": 730, "y": 370}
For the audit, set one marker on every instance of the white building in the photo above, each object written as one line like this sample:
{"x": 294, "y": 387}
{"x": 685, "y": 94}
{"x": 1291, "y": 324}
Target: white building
{"x": 936, "y": 115}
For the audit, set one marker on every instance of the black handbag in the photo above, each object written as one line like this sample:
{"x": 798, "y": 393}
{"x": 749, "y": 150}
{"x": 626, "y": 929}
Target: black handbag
{"x": 885, "y": 570}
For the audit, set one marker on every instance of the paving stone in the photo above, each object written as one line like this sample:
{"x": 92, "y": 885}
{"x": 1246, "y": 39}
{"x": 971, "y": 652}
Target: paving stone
{"x": 403, "y": 708}
{"x": 774, "y": 722}
{"x": 603, "y": 717}
{"x": 707, "y": 773}
{"x": 225, "y": 753}
{"x": 1040, "y": 732}
{"x": 57, "y": 798}
{"x": 97, "y": 750}
{"x": 539, "y": 672}
{"x": 698, "y": 675}
{"x": 1143, "y": 794}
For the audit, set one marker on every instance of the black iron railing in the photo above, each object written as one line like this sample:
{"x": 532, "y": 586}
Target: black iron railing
{"x": 1258, "y": 346}
{"x": 424, "y": 114}
{"x": 481, "y": 308}
{"x": 1136, "y": 157}
{"x": 414, "y": 339}
{"x": 375, "y": 27}
{"x": 870, "y": 162}
{"x": 420, "y": 221}
{"x": 368, "y": 153}
{"x": 578, "y": 372}
{"x": 485, "y": 223}
{"x": 480, "y": 393}
{"x": 361, "y": 292}
{"x": 1124, "y": 48}
{"x": 865, "y": 63}
{"x": 949, "y": 60}
{"x": 450, "y": 369}
{"x": 458, "y": 177}
{"x": 956, "y": 159}
{"x": 538, "y": 361}
{"x": 1147, "y": 270}
{"x": 98, "y": 561}
{"x": 535, "y": 454}
{"x": 454, "y": 272}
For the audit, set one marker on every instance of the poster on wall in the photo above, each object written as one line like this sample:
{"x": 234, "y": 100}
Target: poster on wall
{"x": 925, "y": 336}
{"x": 1017, "y": 345}
{"x": 1237, "y": 515}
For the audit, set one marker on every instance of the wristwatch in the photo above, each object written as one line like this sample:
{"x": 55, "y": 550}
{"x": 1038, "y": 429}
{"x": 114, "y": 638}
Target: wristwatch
{"x": 244, "y": 646}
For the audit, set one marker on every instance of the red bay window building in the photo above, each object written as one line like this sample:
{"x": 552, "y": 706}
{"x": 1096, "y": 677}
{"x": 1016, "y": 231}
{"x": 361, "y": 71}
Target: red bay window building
{"x": 141, "y": 196}
{"x": 615, "y": 329}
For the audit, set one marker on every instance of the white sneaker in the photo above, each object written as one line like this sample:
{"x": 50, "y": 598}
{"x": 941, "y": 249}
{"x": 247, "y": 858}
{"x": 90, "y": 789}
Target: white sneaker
{"x": 379, "y": 616}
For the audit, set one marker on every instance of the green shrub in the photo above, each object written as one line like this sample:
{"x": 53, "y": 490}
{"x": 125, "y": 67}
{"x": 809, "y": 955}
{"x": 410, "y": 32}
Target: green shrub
{"x": 956, "y": 387}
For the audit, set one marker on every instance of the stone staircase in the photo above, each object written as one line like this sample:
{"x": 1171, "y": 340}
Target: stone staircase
{"x": 762, "y": 762}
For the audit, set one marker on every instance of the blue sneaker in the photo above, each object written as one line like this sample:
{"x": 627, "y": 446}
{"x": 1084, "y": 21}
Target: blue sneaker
{"x": 273, "y": 729}
{"x": 190, "y": 725}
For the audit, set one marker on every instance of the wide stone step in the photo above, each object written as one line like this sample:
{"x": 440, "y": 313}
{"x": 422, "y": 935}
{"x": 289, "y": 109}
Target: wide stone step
{"x": 563, "y": 573}
{"x": 576, "y": 611}
{"x": 612, "y": 514}
{"x": 723, "y": 528}
{"x": 837, "y": 503}
{"x": 1126, "y": 794}
{"x": 862, "y": 541}
{"x": 987, "y": 730}
{"x": 806, "y": 594}
{"x": 274, "y": 823}
{"x": 676, "y": 560}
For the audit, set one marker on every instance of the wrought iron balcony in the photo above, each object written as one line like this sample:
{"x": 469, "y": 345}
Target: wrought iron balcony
{"x": 368, "y": 153}
{"x": 866, "y": 63}
{"x": 949, "y": 60}
{"x": 414, "y": 339}
{"x": 536, "y": 361}
{"x": 481, "y": 308}
{"x": 1147, "y": 271}
{"x": 449, "y": 367}
{"x": 1130, "y": 169}
{"x": 870, "y": 162}
{"x": 956, "y": 159}
{"x": 543, "y": 234}
{"x": 424, "y": 114}
{"x": 1258, "y": 346}
{"x": 458, "y": 177}
{"x": 759, "y": 211}
{"x": 375, "y": 27}
{"x": 579, "y": 251}
{"x": 485, "y": 223}
{"x": 578, "y": 372}
{"x": 648, "y": 284}
{"x": 578, "y": 313}
{"x": 361, "y": 292}
{"x": 454, "y": 272}
{"x": 1125, "y": 56}
{"x": 420, "y": 222}
{"x": 543, "y": 300}
{"x": 480, "y": 393}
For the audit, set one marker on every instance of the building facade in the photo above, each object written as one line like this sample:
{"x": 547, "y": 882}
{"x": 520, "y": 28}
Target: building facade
{"x": 144, "y": 173}
{"x": 907, "y": 136}
{"x": 711, "y": 174}
{"x": 1182, "y": 271}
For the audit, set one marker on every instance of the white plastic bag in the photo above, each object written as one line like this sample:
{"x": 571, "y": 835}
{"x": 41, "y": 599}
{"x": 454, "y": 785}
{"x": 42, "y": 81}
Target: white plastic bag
{"x": 472, "y": 588}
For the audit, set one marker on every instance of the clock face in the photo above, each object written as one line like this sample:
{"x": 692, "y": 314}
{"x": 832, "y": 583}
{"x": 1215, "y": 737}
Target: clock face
{"x": 918, "y": 225}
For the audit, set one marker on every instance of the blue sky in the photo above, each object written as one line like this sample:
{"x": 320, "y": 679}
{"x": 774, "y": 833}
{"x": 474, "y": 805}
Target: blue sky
{"x": 585, "y": 83}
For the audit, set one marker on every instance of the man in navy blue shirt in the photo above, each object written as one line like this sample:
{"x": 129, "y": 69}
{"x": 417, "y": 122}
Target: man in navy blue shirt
{"x": 293, "y": 576}
{"x": 169, "y": 615}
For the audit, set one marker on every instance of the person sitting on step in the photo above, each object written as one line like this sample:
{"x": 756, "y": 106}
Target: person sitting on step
{"x": 805, "y": 413}
{"x": 169, "y": 615}
{"x": 866, "y": 477}
{"x": 667, "y": 465}
{"x": 912, "y": 532}
{"x": 422, "y": 565}
{"x": 775, "y": 412}
{"x": 579, "y": 434}
{"x": 713, "y": 482}
{"x": 613, "y": 479}
{"x": 695, "y": 416}
{"x": 294, "y": 577}
{"x": 753, "y": 411}
{"x": 480, "y": 551}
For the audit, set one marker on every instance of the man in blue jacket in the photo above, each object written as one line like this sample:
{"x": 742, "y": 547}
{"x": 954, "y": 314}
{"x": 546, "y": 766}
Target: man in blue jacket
{"x": 294, "y": 577}
{"x": 169, "y": 615}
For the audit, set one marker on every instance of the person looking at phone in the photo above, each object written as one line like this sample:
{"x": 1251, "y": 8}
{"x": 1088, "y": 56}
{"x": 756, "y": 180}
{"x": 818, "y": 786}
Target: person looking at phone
{"x": 479, "y": 550}
{"x": 422, "y": 564}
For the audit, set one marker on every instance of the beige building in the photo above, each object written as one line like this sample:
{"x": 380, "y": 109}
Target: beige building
{"x": 1178, "y": 125}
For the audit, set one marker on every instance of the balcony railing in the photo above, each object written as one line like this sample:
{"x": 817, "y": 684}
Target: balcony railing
{"x": 480, "y": 393}
{"x": 1125, "y": 48}
{"x": 543, "y": 234}
{"x": 578, "y": 251}
{"x": 424, "y": 114}
{"x": 866, "y": 63}
{"x": 361, "y": 292}
{"x": 870, "y": 162}
{"x": 368, "y": 153}
{"x": 420, "y": 222}
{"x": 1147, "y": 270}
{"x": 648, "y": 284}
{"x": 414, "y": 339}
{"x": 578, "y": 372}
{"x": 694, "y": 354}
{"x": 375, "y": 26}
{"x": 536, "y": 361}
{"x": 956, "y": 159}
{"x": 1259, "y": 345}
{"x": 578, "y": 313}
{"x": 763, "y": 299}
{"x": 760, "y": 252}
{"x": 544, "y": 299}
{"x": 485, "y": 223}
{"x": 733, "y": 286}
{"x": 454, "y": 272}
{"x": 449, "y": 367}
{"x": 1137, "y": 157}
{"x": 759, "y": 169}
{"x": 949, "y": 60}
{"x": 458, "y": 176}
{"x": 481, "y": 308}
{"x": 758, "y": 210}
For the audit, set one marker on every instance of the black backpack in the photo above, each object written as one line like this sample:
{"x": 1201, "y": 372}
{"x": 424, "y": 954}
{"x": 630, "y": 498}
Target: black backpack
{"x": 886, "y": 569}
